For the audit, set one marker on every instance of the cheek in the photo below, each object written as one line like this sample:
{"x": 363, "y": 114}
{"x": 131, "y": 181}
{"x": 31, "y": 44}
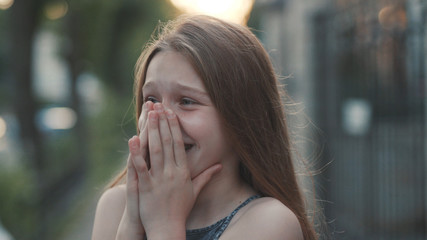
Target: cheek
{"x": 204, "y": 128}
{"x": 193, "y": 124}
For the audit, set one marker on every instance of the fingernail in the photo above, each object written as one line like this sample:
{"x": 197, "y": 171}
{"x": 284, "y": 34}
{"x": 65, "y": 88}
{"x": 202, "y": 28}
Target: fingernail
{"x": 170, "y": 114}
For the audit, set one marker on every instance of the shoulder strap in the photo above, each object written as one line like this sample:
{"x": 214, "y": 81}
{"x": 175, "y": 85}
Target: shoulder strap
{"x": 229, "y": 217}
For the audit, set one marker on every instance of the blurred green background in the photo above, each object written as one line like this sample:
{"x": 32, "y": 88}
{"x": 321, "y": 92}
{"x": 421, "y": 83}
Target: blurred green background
{"x": 66, "y": 88}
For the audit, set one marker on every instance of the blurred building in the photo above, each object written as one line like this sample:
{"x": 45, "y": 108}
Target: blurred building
{"x": 359, "y": 67}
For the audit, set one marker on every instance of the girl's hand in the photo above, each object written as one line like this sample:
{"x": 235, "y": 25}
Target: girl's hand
{"x": 166, "y": 191}
{"x": 130, "y": 226}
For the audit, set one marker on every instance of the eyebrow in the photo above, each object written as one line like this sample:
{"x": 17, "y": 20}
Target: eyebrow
{"x": 152, "y": 85}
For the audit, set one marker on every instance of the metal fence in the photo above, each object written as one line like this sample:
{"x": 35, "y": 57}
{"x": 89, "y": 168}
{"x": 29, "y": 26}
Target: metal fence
{"x": 370, "y": 65}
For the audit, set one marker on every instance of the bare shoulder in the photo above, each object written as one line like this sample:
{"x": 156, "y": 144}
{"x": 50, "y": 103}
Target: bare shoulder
{"x": 266, "y": 218}
{"x": 109, "y": 212}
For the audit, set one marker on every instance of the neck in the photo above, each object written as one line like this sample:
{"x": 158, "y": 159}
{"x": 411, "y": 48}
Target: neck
{"x": 224, "y": 192}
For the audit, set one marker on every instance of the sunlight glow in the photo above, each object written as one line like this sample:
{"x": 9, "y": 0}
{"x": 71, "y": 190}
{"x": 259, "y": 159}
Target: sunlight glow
{"x": 5, "y": 4}
{"x": 233, "y": 10}
{"x": 3, "y": 127}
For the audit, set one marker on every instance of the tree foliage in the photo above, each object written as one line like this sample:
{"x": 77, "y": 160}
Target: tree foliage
{"x": 103, "y": 38}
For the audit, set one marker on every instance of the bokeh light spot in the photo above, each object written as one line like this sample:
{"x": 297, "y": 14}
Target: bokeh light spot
{"x": 5, "y": 4}
{"x": 392, "y": 17}
{"x": 56, "y": 10}
{"x": 59, "y": 118}
{"x": 3, "y": 127}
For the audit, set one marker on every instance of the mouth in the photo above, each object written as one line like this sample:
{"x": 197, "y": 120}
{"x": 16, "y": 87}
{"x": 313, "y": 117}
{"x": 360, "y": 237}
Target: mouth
{"x": 188, "y": 147}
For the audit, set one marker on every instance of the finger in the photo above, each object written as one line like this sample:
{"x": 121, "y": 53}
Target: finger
{"x": 142, "y": 126}
{"x": 178, "y": 144}
{"x": 154, "y": 143}
{"x": 146, "y": 107}
{"x": 132, "y": 189}
{"x": 142, "y": 121}
{"x": 132, "y": 178}
{"x": 200, "y": 180}
{"x": 139, "y": 163}
{"x": 143, "y": 140}
{"x": 167, "y": 144}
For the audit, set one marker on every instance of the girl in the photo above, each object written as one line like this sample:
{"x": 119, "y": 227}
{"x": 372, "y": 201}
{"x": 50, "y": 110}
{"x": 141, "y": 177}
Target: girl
{"x": 212, "y": 158}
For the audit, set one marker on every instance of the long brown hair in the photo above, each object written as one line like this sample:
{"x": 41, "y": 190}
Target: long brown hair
{"x": 241, "y": 82}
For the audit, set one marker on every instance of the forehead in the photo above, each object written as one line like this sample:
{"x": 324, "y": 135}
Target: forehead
{"x": 170, "y": 67}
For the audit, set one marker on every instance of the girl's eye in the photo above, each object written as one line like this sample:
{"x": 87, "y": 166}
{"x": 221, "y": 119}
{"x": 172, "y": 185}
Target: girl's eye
{"x": 151, "y": 99}
{"x": 187, "y": 101}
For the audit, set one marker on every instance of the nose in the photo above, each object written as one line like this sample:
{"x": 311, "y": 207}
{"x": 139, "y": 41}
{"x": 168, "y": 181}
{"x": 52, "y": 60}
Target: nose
{"x": 168, "y": 103}
{"x": 164, "y": 104}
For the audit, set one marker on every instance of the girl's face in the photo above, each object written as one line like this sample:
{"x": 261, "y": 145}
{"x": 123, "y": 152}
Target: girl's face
{"x": 171, "y": 80}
